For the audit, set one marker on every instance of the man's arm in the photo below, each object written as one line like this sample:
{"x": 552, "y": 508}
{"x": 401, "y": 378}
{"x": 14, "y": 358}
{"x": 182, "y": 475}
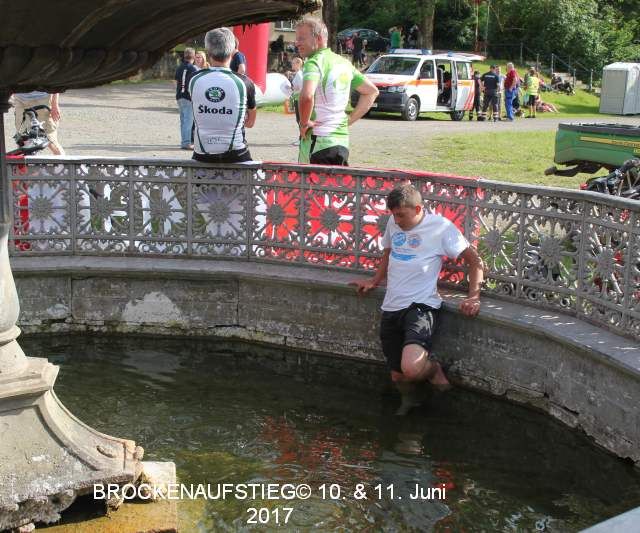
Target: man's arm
{"x": 368, "y": 93}
{"x": 470, "y": 306}
{"x": 242, "y": 68}
{"x": 305, "y": 105}
{"x": 251, "y": 118}
{"x": 55, "y": 107}
{"x": 365, "y": 285}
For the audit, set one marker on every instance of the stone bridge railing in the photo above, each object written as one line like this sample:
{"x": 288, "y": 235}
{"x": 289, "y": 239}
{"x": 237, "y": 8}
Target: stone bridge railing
{"x": 571, "y": 251}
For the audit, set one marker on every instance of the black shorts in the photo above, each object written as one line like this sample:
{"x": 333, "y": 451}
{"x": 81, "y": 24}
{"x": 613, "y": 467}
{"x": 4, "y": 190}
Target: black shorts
{"x": 232, "y": 156}
{"x": 335, "y": 155}
{"x": 413, "y": 325}
{"x": 532, "y": 99}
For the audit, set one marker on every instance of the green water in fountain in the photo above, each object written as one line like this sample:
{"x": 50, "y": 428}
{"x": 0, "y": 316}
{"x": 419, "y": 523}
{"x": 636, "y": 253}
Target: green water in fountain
{"x": 239, "y": 413}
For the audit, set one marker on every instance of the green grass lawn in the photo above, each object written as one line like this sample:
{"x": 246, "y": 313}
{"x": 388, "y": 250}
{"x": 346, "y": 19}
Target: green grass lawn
{"x": 517, "y": 157}
{"x": 511, "y": 156}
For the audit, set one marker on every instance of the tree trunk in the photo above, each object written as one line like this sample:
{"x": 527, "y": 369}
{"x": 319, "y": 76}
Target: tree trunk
{"x": 427, "y": 16}
{"x": 330, "y": 18}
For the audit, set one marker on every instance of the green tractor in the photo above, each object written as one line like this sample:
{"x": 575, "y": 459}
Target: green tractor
{"x": 590, "y": 147}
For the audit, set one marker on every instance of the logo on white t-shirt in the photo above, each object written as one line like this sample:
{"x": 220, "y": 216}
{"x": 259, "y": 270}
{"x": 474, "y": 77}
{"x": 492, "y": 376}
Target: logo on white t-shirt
{"x": 399, "y": 250}
{"x": 399, "y": 239}
{"x": 214, "y": 94}
{"x": 414, "y": 240}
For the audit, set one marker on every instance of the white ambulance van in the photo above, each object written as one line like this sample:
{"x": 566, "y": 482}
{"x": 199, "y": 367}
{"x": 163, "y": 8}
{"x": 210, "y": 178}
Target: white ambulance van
{"x": 416, "y": 81}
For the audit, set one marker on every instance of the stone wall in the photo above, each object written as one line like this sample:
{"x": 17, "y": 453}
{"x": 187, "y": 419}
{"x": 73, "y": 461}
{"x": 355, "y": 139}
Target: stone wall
{"x": 581, "y": 375}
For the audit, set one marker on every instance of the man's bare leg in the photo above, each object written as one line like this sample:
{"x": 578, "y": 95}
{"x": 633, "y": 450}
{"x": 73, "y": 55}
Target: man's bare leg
{"x": 416, "y": 368}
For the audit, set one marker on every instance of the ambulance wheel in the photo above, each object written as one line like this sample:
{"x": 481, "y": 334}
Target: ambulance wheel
{"x": 457, "y": 115}
{"x": 411, "y": 109}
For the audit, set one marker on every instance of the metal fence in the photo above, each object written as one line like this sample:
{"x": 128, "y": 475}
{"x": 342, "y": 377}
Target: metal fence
{"x": 572, "y": 251}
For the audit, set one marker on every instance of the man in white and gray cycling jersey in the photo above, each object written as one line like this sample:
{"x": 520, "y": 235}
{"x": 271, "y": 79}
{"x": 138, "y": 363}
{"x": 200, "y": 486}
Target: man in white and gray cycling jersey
{"x": 327, "y": 83}
{"x": 224, "y": 103}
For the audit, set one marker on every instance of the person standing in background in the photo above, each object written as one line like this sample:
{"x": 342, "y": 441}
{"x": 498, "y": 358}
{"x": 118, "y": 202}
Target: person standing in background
{"x": 395, "y": 37}
{"x": 532, "y": 86}
{"x": 238, "y": 60}
{"x": 510, "y": 90}
{"x": 183, "y": 75}
{"x": 477, "y": 93}
{"x": 49, "y": 117}
{"x": 292, "y": 103}
{"x": 357, "y": 50}
{"x": 200, "y": 60}
{"x": 500, "y": 93}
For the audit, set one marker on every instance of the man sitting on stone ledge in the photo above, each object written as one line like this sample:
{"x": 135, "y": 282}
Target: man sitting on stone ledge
{"x": 224, "y": 103}
{"x": 414, "y": 245}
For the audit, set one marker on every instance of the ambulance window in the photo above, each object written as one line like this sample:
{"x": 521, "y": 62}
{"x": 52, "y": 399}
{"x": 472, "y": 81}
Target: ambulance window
{"x": 405, "y": 66}
{"x": 427, "y": 70}
{"x": 464, "y": 72}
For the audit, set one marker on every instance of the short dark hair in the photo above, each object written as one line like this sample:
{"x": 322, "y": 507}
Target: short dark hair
{"x": 404, "y": 195}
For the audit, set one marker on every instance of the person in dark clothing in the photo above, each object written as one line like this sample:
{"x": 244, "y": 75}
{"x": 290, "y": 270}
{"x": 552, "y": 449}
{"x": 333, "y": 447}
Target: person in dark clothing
{"x": 278, "y": 45}
{"x": 357, "y": 50}
{"x": 490, "y": 85}
{"x": 477, "y": 91}
{"x": 182, "y": 77}
{"x": 238, "y": 60}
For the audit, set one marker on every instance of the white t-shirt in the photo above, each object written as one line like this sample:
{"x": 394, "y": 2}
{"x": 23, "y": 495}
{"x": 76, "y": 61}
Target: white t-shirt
{"x": 416, "y": 259}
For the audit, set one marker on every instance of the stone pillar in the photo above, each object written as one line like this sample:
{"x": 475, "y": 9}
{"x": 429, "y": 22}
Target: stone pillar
{"x": 12, "y": 359}
{"x": 47, "y": 456}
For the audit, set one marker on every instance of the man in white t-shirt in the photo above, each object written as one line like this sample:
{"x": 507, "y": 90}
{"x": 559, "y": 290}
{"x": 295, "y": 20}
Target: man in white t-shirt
{"x": 414, "y": 246}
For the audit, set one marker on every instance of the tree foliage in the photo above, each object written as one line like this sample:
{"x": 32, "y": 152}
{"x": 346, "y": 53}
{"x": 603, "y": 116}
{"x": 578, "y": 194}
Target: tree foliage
{"x": 590, "y": 32}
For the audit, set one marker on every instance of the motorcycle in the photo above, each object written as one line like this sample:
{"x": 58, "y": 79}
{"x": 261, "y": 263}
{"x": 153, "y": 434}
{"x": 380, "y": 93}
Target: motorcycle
{"x": 31, "y": 136}
{"x": 623, "y": 181}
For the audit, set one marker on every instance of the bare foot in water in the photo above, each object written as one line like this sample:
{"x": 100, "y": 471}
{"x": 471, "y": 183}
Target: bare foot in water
{"x": 439, "y": 381}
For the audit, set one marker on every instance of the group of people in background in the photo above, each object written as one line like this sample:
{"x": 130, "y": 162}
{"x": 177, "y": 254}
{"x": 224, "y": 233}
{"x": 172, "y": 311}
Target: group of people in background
{"x": 399, "y": 38}
{"x": 520, "y": 95}
{"x": 217, "y": 101}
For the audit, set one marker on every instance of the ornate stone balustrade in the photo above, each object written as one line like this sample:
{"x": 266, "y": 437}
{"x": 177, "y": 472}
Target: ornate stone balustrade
{"x": 571, "y": 251}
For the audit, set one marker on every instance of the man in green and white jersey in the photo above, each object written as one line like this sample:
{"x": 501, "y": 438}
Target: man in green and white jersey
{"x": 224, "y": 104}
{"x": 327, "y": 82}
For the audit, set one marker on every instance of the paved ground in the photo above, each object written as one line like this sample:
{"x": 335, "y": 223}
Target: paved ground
{"x": 142, "y": 120}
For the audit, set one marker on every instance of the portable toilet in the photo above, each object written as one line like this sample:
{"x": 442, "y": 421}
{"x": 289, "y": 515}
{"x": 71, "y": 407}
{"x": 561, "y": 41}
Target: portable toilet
{"x": 620, "y": 93}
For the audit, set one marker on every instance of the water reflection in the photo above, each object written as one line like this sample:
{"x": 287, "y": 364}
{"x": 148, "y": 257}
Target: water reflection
{"x": 235, "y": 413}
